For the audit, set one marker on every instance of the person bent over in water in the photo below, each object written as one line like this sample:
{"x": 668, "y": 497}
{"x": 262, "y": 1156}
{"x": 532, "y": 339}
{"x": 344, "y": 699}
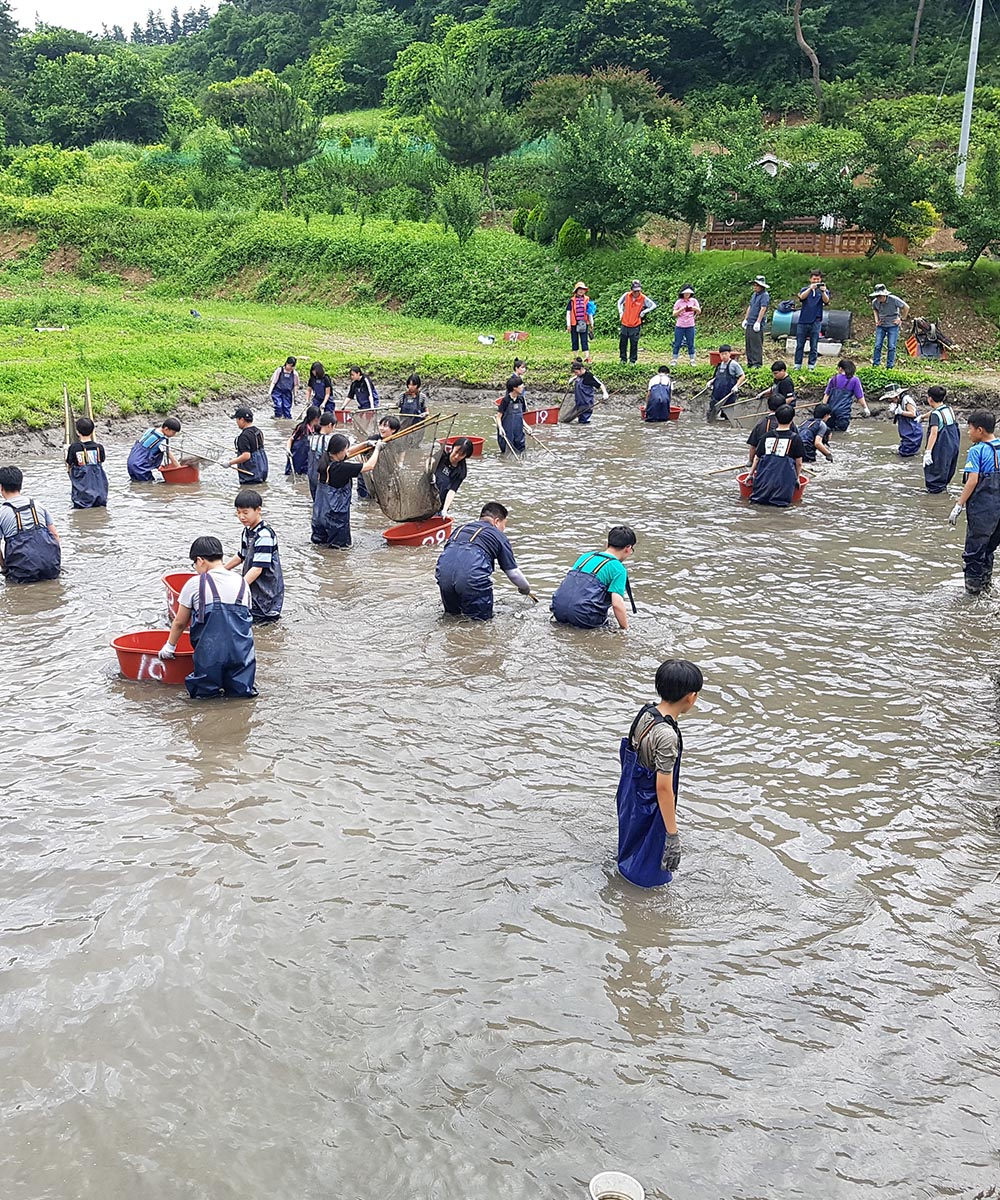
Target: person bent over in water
{"x": 31, "y": 550}
{"x": 649, "y": 846}
{"x": 465, "y": 567}
{"x": 216, "y": 604}
{"x": 597, "y": 582}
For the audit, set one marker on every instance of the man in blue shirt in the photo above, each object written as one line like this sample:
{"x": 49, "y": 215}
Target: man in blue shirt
{"x": 812, "y": 298}
{"x": 981, "y": 500}
{"x": 465, "y": 568}
{"x": 890, "y": 312}
{"x": 753, "y": 322}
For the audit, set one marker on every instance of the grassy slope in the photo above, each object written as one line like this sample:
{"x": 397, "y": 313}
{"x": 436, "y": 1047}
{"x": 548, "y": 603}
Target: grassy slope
{"x": 143, "y": 350}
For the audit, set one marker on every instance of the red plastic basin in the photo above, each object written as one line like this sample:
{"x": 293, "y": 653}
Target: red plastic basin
{"x": 714, "y": 357}
{"x": 675, "y": 413}
{"x": 746, "y": 489}
{"x": 137, "y": 656}
{"x": 185, "y": 474}
{"x": 542, "y": 416}
{"x": 343, "y": 416}
{"x": 435, "y": 531}
{"x": 173, "y": 584}
{"x": 477, "y": 444}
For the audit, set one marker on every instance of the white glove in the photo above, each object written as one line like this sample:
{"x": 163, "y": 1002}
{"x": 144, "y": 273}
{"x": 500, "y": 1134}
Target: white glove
{"x": 745, "y": 324}
{"x": 953, "y": 515}
{"x": 928, "y": 459}
{"x": 895, "y": 410}
{"x": 167, "y": 652}
{"x": 222, "y": 462}
{"x": 756, "y": 326}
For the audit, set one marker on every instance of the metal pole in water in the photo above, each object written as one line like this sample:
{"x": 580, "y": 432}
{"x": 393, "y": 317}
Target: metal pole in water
{"x": 970, "y": 88}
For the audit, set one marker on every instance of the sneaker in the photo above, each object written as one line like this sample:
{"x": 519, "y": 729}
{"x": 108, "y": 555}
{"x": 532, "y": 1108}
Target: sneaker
{"x": 673, "y": 362}
{"x": 692, "y": 362}
{"x": 812, "y": 366}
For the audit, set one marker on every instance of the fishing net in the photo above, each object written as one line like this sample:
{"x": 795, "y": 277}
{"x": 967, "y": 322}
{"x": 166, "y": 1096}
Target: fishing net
{"x": 568, "y": 410}
{"x": 402, "y": 482}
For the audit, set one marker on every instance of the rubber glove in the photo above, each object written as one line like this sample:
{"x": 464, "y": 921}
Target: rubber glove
{"x": 928, "y": 459}
{"x": 671, "y": 859}
{"x": 953, "y": 515}
{"x": 745, "y": 324}
{"x": 223, "y": 462}
{"x": 756, "y": 326}
{"x": 167, "y": 652}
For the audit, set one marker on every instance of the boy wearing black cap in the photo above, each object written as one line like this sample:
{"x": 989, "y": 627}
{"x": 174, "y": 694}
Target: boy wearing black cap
{"x": 250, "y": 460}
{"x": 216, "y": 604}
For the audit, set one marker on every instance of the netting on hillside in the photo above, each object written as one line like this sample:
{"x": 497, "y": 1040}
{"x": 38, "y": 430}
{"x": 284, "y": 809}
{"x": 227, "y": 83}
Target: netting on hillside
{"x": 402, "y": 482}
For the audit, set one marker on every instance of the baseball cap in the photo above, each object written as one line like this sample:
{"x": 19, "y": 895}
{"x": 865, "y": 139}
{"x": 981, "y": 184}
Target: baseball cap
{"x": 242, "y": 414}
{"x": 636, "y": 284}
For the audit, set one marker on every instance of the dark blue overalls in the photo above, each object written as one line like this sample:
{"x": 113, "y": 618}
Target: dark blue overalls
{"x": 331, "y": 517}
{"x": 254, "y": 470}
{"x": 282, "y": 393}
{"x": 841, "y": 402}
{"x": 318, "y": 389}
{"x": 88, "y": 482}
{"x": 581, "y": 599}
{"x": 224, "y": 656}
{"x": 464, "y": 570}
{"x": 944, "y": 455}
{"x": 145, "y": 456}
{"x": 658, "y": 404}
{"x": 774, "y": 478}
{"x": 299, "y": 456}
{"x": 982, "y": 537}
{"x": 267, "y": 592}
{"x": 910, "y": 434}
{"x": 723, "y": 382}
{"x": 813, "y": 428}
{"x": 642, "y": 835}
{"x": 317, "y": 448}
{"x": 583, "y": 398}
{"x": 512, "y": 424}
{"x": 32, "y": 553}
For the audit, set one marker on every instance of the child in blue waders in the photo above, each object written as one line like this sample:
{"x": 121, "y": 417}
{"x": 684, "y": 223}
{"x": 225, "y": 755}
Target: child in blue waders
{"x": 585, "y": 383}
{"x": 413, "y": 402}
{"x": 319, "y": 387}
{"x": 331, "y": 517}
{"x": 147, "y": 455}
{"x": 981, "y": 500}
{"x": 776, "y": 462}
{"x": 318, "y": 443}
{"x": 727, "y": 378}
{"x": 85, "y": 467}
{"x": 904, "y": 413}
{"x": 649, "y": 846}
{"x": 216, "y": 604}
{"x": 258, "y": 559}
{"x": 284, "y": 385}
{"x": 31, "y": 550}
{"x": 597, "y": 582}
{"x": 362, "y": 390}
{"x": 815, "y": 434}
{"x": 297, "y": 446}
{"x": 843, "y": 390}
{"x": 450, "y": 470}
{"x": 464, "y": 570}
{"x": 658, "y": 395}
{"x": 250, "y": 460}
{"x": 943, "y": 438}
{"x": 766, "y": 424}
{"x": 510, "y": 417}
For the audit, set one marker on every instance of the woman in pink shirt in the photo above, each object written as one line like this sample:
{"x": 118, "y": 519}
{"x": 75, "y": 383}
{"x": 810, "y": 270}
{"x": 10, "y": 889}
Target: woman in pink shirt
{"x": 686, "y": 309}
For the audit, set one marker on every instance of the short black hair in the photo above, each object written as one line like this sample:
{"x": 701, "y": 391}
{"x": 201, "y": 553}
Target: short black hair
{"x": 172, "y": 423}
{"x": 822, "y": 410}
{"x": 84, "y": 426}
{"x": 938, "y": 393}
{"x": 785, "y": 414}
{"x": 816, "y": 271}
{"x": 391, "y": 420}
{"x": 11, "y": 479}
{"x": 664, "y": 370}
{"x": 494, "y": 510}
{"x": 982, "y": 418}
{"x": 355, "y": 370}
{"x": 778, "y": 365}
{"x": 248, "y": 498}
{"x": 327, "y": 418}
{"x": 513, "y": 382}
{"x": 290, "y": 361}
{"x": 676, "y": 678}
{"x": 465, "y": 445}
{"x": 725, "y": 349}
{"x": 621, "y": 536}
{"x": 209, "y": 548}
{"x": 337, "y": 442}
{"x": 775, "y": 402}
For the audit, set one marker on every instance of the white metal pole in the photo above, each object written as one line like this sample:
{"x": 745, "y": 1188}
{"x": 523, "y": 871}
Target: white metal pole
{"x": 970, "y": 88}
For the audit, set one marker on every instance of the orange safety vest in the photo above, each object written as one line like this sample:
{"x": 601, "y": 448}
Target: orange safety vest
{"x": 632, "y": 312}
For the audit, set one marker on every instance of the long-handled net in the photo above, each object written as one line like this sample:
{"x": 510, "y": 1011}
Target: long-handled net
{"x": 402, "y": 482}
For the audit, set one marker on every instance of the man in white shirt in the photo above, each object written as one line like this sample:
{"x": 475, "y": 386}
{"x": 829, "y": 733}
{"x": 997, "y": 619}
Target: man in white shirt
{"x": 216, "y": 603}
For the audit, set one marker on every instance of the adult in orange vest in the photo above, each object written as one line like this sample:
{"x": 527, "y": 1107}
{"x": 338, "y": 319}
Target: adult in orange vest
{"x": 632, "y": 308}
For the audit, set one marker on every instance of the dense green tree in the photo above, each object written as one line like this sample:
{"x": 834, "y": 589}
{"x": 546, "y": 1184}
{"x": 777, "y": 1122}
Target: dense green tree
{"x": 84, "y": 98}
{"x": 600, "y": 169}
{"x": 468, "y": 121}
{"x": 369, "y": 40}
{"x": 273, "y": 129}
{"x": 459, "y": 202}
{"x": 892, "y": 178}
{"x": 554, "y": 99}
{"x": 976, "y": 213}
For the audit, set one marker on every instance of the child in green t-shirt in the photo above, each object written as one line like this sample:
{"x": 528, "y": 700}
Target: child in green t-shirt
{"x": 597, "y": 582}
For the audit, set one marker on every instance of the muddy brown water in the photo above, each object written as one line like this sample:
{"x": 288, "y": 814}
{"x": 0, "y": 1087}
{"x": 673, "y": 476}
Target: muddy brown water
{"x": 364, "y": 935}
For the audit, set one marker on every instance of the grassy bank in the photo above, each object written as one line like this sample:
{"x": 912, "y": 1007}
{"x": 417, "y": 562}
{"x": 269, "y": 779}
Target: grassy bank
{"x": 396, "y": 297}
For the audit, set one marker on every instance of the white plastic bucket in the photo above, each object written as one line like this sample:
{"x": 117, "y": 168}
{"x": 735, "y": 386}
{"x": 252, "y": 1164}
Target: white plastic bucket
{"x": 616, "y": 1185}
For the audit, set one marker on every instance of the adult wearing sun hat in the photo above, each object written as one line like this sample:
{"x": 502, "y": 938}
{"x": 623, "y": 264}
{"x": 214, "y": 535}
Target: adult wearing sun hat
{"x": 754, "y": 319}
{"x": 890, "y": 312}
{"x": 686, "y": 310}
{"x": 579, "y": 321}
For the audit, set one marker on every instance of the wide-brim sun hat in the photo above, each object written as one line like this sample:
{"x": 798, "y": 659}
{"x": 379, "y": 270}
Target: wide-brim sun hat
{"x": 760, "y": 281}
{"x": 880, "y": 290}
{"x": 581, "y": 284}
